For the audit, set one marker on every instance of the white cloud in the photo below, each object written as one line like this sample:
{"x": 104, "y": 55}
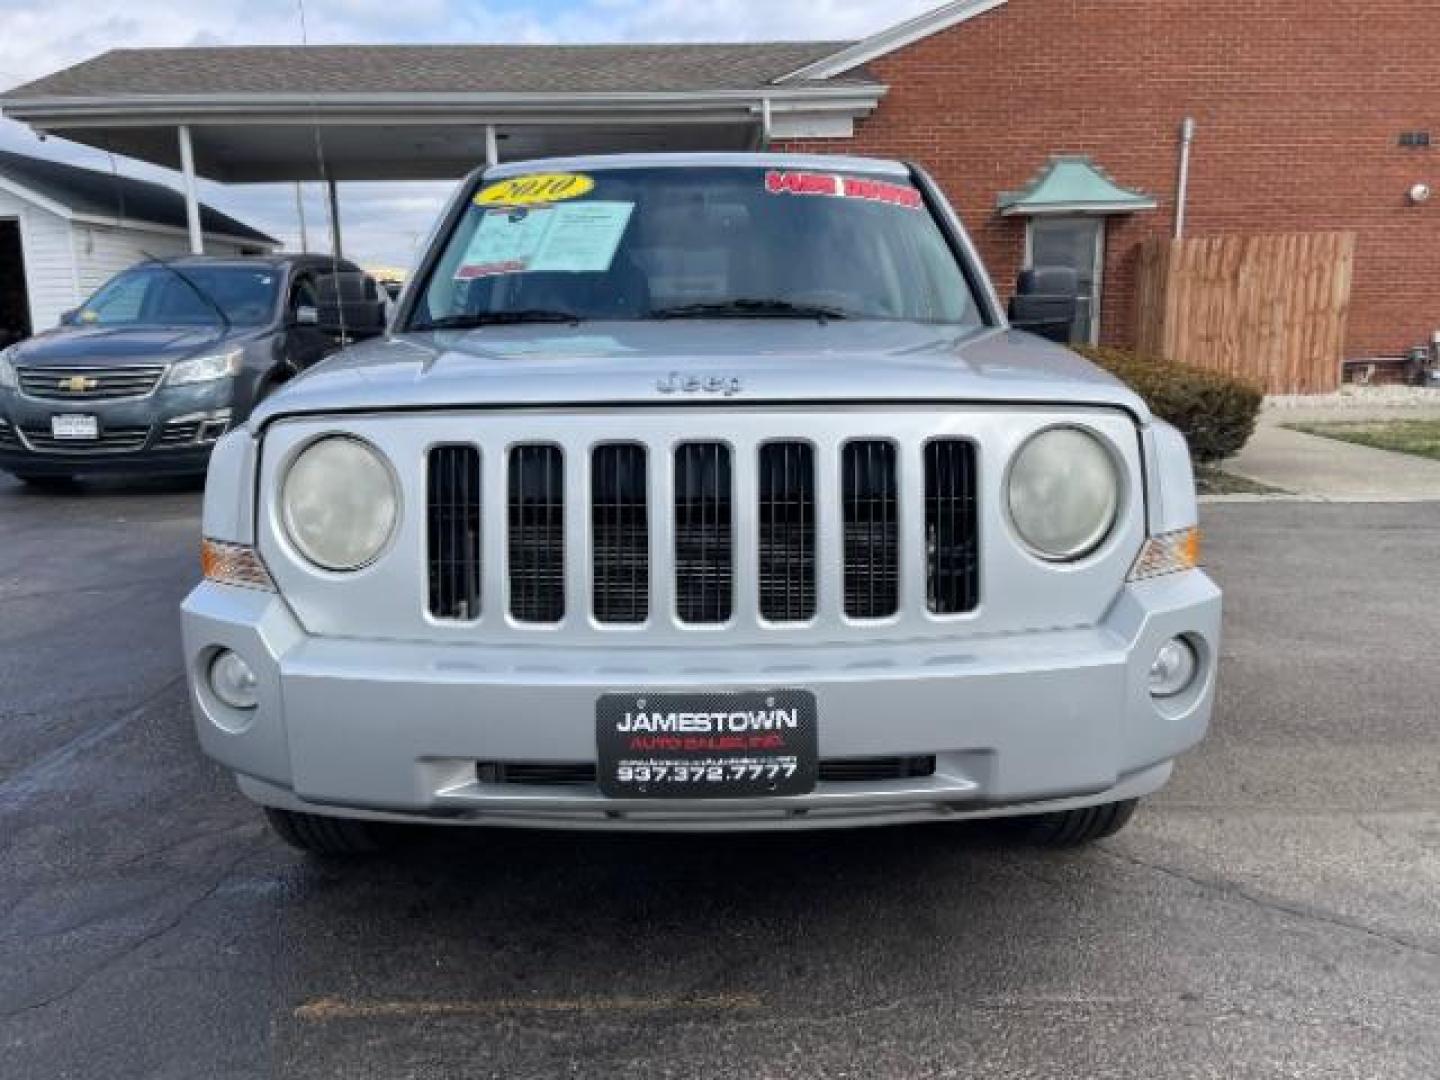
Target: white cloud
{"x": 382, "y": 223}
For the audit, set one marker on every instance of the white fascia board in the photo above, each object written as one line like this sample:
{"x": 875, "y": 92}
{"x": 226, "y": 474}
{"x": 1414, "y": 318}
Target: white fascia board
{"x": 150, "y": 109}
{"x": 131, "y": 225}
{"x": 888, "y": 41}
{"x": 1103, "y": 209}
{"x": 20, "y": 191}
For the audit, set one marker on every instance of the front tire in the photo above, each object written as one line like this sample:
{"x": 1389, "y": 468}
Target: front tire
{"x": 318, "y": 834}
{"x": 1073, "y": 828}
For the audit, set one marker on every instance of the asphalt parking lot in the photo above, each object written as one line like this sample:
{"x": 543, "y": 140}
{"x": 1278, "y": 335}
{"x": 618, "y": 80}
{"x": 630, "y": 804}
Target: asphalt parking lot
{"x": 1275, "y": 912}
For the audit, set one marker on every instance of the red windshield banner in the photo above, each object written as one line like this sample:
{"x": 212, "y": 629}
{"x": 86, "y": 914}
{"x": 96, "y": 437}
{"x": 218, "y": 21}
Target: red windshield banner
{"x": 778, "y": 182}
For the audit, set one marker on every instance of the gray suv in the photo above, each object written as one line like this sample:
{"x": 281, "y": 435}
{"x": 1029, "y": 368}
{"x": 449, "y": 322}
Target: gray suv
{"x": 701, "y": 493}
{"x": 165, "y": 358}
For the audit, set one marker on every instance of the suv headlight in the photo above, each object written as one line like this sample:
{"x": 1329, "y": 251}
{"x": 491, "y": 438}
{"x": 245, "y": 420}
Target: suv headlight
{"x": 339, "y": 503}
{"x": 206, "y": 368}
{"x": 1063, "y": 493}
{"x": 8, "y": 379}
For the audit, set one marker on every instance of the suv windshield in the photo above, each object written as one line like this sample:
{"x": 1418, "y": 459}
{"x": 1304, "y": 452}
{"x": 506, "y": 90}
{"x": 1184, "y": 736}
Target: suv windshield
{"x": 154, "y": 295}
{"x": 705, "y": 242}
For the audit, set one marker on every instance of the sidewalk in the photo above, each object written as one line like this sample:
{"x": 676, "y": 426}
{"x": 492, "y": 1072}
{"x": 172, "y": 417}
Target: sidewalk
{"x": 1328, "y": 470}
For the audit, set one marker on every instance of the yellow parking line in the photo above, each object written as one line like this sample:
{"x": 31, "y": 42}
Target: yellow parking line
{"x": 324, "y": 1010}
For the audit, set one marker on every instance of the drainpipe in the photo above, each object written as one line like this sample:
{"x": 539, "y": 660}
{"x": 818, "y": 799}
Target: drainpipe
{"x": 1182, "y": 190}
{"x": 766, "y": 122}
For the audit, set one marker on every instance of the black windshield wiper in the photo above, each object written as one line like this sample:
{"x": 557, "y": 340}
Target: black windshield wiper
{"x": 500, "y": 318}
{"x": 745, "y": 308}
{"x": 204, "y": 296}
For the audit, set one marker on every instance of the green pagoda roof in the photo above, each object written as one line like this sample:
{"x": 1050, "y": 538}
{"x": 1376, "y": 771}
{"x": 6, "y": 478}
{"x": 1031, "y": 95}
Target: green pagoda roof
{"x": 1073, "y": 184}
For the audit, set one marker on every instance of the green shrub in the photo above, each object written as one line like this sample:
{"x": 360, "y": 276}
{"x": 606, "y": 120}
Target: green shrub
{"x": 1215, "y": 412}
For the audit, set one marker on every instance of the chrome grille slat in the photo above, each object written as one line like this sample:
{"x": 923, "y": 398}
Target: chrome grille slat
{"x": 872, "y": 529}
{"x": 453, "y": 532}
{"x": 111, "y": 440}
{"x": 620, "y": 533}
{"x": 704, "y": 533}
{"x": 98, "y": 383}
{"x": 787, "y": 532}
{"x": 536, "y": 515}
{"x": 951, "y": 534}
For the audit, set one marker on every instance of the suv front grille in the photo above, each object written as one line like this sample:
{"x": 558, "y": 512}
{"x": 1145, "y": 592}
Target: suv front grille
{"x": 111, "y": 440}
{"x": 537, "y": 533}
{"x": 951, "y": 548}
{"x": 872, "y": 529}
{"x": 583, "y": 773}
{"x": 88, "y": 383}
{"x": 620, "y": 533}
{"x": 704, "y": 540}
{"x": 453, "y": 532}
{"x": 702, "y": 533}
{"x": 787, "y": 531}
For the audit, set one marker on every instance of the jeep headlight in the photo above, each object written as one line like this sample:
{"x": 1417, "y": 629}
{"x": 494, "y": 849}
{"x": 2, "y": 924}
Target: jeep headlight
{"x": 339, "y": 503}
{"x": 8, "y": 381}
{"x": 1063, "y": 493}
{"x": 206, "y": 368}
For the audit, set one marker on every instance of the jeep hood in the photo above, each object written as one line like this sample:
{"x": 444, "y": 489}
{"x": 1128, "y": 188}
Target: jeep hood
{"x": 625, "y": 363}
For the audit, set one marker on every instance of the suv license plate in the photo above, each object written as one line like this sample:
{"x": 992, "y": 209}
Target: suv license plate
{"x": 72, "y": 426}
{"x": 708, "y": 745}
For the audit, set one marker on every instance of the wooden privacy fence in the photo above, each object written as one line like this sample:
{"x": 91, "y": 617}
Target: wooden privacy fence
{"x": 1270, "y": 309}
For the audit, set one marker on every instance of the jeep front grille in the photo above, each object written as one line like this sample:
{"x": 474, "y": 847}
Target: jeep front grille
{"x": 453, "y": 532}
{"x": 872, "y": 529}
{"x": 951, "y": 550}
{"x": 703, "y": 534}
{"x": 620, "y": 533}
{"x": 787, "y": 532}
{"x": 537, "y": 533}
{"x": 88, "y": 383}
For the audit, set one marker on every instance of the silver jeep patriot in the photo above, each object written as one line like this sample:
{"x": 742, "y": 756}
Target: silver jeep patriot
{"x": 703, "y": 492}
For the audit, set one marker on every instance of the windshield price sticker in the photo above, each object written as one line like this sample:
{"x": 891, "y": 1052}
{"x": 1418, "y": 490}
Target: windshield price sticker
{"x": 695, "y": 746}
{"x": 578, "y": 239}
{"x": 842, "y": 187}
{"x": 537, "y": 190}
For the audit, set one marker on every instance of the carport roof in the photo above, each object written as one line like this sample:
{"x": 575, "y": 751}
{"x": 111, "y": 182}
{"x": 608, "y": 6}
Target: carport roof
{"x": 424, "y": 69}
{"x": 123, "y": 200}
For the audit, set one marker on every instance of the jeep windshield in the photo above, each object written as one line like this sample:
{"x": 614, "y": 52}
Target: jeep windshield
{"x": 694, "y": 243}
{"x": 152, "y": 294}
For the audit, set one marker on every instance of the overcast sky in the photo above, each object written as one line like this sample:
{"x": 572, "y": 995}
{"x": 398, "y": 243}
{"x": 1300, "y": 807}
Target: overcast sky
{"x": 382, "y": 222}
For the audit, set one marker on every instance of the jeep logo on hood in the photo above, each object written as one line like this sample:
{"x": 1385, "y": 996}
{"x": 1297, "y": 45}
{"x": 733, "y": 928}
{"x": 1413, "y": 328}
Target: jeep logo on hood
{"x": 675, "y": 383}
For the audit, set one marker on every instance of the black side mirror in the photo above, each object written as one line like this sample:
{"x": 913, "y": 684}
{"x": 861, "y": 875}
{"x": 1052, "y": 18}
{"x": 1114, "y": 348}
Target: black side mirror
{"x": 1046, "y": 301}
{"x": 67, "y": 318}
{"x": 349, "y": 306}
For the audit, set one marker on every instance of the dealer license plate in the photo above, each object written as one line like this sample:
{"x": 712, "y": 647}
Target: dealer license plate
{"x": 74, "y": 426}
{"x": 706, "y": 746}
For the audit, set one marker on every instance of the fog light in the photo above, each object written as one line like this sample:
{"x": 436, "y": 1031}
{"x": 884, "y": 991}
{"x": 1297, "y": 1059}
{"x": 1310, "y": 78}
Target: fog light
{"x": 1174, "y": 668}
{"x": 234, "y": 681}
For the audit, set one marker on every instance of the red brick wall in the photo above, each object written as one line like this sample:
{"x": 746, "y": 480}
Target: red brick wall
{"x": 1299, "y": 105}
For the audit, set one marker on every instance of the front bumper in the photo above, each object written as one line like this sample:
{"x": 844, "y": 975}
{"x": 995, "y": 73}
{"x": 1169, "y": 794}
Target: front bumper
{"x": 168, "y": 432}
{"x": 394, "y": 730}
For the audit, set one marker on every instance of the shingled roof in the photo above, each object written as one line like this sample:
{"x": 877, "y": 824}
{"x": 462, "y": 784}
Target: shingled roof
{"x": 95, "y": 194}
{"x": 442, "y": 69}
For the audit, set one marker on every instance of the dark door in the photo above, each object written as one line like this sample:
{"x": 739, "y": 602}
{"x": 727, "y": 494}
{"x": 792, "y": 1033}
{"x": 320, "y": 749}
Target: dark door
{"x": 14, "y": 298}
{"x": 1077, "y": 243}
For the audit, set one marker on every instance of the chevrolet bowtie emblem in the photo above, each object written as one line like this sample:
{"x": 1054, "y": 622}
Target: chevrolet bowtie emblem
{"x": 78, "y": 384}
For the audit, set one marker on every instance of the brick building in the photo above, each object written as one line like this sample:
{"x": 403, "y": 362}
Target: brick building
{"x": 1300, "y": 110}
{"x": 1055, "y": 125}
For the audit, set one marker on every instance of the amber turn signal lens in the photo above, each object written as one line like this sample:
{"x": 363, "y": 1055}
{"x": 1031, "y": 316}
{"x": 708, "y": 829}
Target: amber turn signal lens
{"x": 1169, "y": 553}
{"x": 234, "y": 564}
